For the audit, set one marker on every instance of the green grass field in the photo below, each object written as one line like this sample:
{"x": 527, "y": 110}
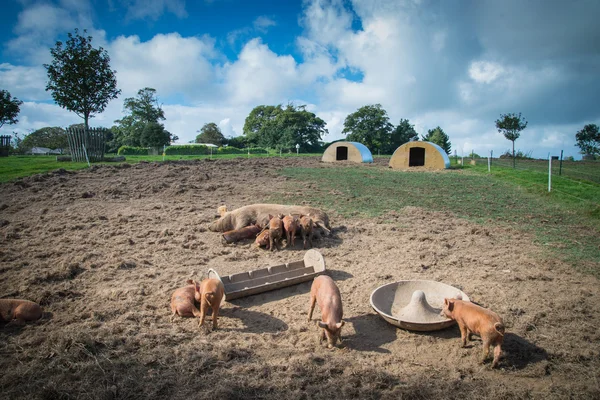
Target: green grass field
{"x": 568, "y": 227}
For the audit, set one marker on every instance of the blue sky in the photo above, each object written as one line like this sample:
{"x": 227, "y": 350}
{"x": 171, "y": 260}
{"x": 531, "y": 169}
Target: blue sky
{"x": 456, "y": 64}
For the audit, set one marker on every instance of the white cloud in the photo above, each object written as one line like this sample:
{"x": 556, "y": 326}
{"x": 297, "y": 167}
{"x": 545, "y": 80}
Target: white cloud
{"x": 262, "y": 23}
{"x": 154, "y": 9}
{"x": 26, "y": 83}
{"x": 485, "y": 71}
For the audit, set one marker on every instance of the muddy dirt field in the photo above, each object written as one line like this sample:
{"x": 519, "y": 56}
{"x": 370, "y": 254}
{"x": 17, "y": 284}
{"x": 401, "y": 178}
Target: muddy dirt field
{"x": 103, "y": 249}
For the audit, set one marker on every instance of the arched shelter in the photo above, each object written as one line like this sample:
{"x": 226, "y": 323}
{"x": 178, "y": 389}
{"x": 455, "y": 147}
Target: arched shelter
{"x": 347, "y": 151}
{"x": 419, "y": 154}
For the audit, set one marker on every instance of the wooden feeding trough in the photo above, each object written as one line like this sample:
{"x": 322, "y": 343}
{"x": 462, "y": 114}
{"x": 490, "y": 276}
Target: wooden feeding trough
{"x": 270, "y": 278}
{"x": 414, "y": 305}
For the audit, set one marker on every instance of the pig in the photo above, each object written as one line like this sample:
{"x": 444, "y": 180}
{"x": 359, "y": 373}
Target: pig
{"x": 182, "y": 301}
{"x": 472, "y": 318}
{"x": 326, "y": 294}
{"x": 275, "y": 232}
{"x": 19, "y": 311}
{"x": 262, "y": 239}
{"x": 306, "y": 229}
{"x": 211, "y": 293}
{"x": 290, "y": 224}
{"x": 246, "y": 232}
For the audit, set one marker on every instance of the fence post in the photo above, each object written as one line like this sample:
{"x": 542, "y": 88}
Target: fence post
{"x": 489, "y": 163}
{"x": 549, "y": 172}
{"x": 560, "y": 165}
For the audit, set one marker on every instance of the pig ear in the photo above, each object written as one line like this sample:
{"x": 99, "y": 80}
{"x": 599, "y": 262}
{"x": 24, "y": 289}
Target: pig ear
{"x": 450, "y": 305}
{"x": 321, "y": 324}
{"x": 189, "y": 282}
{"x": 339, "y": 324}
{"x": 270, "y": 217}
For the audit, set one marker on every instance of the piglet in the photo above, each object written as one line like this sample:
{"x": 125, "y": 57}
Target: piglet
{"x": 290, "y": 224}
{"x": 472, "y": 318}
{"x": 326, "y": 294}
{"x": 275, "y": 232}
{"x": 306, "y": 229}
{"x": 236, "y": 235}
{"x": 182, "y": 301}
{"x": 19, "y": 311}
{"x": 211, "y": 293}
{"x": 262, "y": 239}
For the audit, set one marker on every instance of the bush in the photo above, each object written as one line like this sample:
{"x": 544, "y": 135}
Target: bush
{"x": 187, "y": 150}
{"x": 518, "y": 155}
{"x": 132, "y": 151}
{"x": 230, "y": 150}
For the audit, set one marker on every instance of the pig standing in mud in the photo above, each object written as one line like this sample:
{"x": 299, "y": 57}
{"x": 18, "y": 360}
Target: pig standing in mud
{"x": 275, "y": 232}
{"x": 306, "y": 229}
{"x": 326, "y": 294}
{"x": 472, "y": 318}
{"x": 19, "y": 311}
{"x": 290, "y": 224}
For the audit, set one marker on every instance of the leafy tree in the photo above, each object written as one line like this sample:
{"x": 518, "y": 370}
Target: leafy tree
{"x": 404, "y": 132}
{"x": 439, "y": 137}
{"x": 511, "y": 125}
{"x": 588, "y": 139}
{"x": 9, "y": 108}
{"x": 80, "y": 77}
{"x": 51, "y": 137}
{"x": 211, "y": 133}
{"x": 238, "y": 141}
{"x": 370, "y": 126}
{"x": 141, "y": 127}
{"x": 283, "y": 128}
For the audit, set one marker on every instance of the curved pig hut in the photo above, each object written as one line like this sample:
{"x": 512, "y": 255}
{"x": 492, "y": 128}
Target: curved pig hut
{"x": 420, "y": 154}
{"x": 347, "y": 151}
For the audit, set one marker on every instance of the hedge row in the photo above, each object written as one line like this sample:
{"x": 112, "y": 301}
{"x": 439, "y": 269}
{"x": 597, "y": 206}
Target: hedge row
{"x": 205, "y": 150}
{"x": 132, "y": 151}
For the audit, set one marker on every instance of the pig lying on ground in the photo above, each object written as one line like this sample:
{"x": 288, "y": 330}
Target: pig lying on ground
{"x": 290, "y": 224}
{"x": 262, "y": 239}
{"x": 19, "y": 311}
{"x": 259, "y": 214}
{"x": 306, "y": 229}
{"x": 211, "y": 294}
{"x": 275, "y": 232}
{"x": 472, "y": 318}
{"x": 182, "y": 301}
{"x": 247, "y": 232}
{"x": 326, "y": 294}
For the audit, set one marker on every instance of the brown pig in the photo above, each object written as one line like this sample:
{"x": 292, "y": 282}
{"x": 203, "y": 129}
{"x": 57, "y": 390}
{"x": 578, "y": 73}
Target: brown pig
{"x": 211, "y": 293}
{"x": 306, "y": 229}
{"x": 290, "y": 224}
{"x": 182, "y": 301}
{"x": 326, "y": 294}
{"x": 236, "y": 235}
{"x": 262, "y": 239}
{"x": 275, "y": 232}
{"x": 473, "y": 319}
{"x": 19, "y": 311}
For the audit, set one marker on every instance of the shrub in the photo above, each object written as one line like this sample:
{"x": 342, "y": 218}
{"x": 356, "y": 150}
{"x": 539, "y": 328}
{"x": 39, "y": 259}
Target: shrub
{"x": 187, "y": 150}
{"x": 132, "y": 151}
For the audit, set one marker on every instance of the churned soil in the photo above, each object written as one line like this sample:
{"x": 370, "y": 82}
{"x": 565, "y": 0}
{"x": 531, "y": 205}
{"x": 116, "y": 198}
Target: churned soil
{"x": 102, "y": 250}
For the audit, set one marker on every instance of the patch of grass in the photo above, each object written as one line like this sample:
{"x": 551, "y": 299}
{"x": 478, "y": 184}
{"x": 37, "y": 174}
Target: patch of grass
{"x": 14, "y": 167}
{"x": 569, "y": 228}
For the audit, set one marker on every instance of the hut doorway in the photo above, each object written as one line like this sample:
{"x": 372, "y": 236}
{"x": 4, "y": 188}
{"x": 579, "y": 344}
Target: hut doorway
{"x": 341, "y": 153}
{"x": 416, "y": 157}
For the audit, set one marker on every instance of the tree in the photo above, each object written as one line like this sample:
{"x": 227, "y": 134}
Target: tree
{"x": 370, "y": 126}
{"x": 9, "y": 108}
{"x": 588, "y": 139}
{"x": 239, "y": 141}
{"x": 283, "y": 128}
{"x": 51, "y": 137}
{"x": 439, "y": 137}
{"x": 141, "y": 127}
{"x": 210, "y": 133}
{"x": 511, "y": 125}
{"x": 404, "y": 132}
{"x": 80, "y": 77}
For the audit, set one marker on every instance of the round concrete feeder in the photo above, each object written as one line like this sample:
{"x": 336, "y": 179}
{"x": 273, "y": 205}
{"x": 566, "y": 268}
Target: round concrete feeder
{"x": 414, "y": 305}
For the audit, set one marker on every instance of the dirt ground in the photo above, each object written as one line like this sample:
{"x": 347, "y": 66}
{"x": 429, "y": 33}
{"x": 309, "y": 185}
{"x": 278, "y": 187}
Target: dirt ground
{"x": 103, "y": 249}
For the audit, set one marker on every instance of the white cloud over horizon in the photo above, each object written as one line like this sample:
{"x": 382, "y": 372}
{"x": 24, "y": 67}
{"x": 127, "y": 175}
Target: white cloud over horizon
{"x": 422, "y": 60}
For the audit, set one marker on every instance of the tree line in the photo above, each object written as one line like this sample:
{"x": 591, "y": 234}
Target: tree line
{"x": 80, "y": 80}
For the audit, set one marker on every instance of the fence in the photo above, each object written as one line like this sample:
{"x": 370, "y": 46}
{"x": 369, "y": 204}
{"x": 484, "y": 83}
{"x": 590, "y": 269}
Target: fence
{"x": 86, "y": 146}
{"x": 4, "y": 145}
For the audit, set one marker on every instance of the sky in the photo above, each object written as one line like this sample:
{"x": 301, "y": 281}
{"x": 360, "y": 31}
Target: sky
{"x": 449, "y": 63}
